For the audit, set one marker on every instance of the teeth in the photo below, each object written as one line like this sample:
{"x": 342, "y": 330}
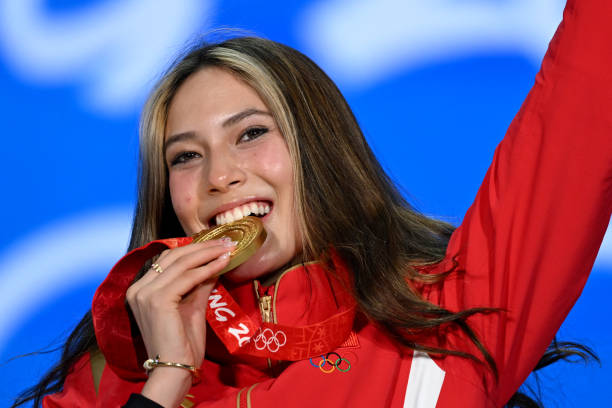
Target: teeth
{"x": 255, "y": 208}
{"x": 220, "y": 219}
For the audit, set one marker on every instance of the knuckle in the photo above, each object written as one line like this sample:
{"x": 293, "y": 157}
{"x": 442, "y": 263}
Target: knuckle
{"x": 130, "y": 294}
{"x": 140, "y": 298}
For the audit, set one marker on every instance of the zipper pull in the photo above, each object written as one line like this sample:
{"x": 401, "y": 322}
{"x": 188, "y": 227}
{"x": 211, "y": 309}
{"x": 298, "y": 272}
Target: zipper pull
{"x": 265, "y": 307}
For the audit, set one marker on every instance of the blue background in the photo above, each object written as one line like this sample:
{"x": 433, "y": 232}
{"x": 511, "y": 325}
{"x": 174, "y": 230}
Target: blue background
{"x": 433, "y": 84}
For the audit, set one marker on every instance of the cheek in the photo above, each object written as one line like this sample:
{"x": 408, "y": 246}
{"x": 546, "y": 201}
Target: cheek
{"x": 280, "y": 169}
{"x": 277, "y": 174}
{"x": 182, "y": 196}
{"x": 277, "y": 166}
{"x": 182, "y": 204}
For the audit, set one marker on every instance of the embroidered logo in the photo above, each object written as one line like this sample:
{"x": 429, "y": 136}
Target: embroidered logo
{"x": 330, "y": 365}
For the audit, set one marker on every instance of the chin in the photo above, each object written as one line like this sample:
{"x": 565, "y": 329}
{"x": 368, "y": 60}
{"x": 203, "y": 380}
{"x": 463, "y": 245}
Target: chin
{"x": 259, "y": 266}
{"x": 242, "y": 273}
{"x": 248, "y": 271}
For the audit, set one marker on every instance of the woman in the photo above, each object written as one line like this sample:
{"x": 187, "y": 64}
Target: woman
{"x": 398, "y": 309}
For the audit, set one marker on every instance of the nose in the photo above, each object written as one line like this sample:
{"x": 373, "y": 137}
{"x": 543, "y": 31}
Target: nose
{"x": 224, "y": 173}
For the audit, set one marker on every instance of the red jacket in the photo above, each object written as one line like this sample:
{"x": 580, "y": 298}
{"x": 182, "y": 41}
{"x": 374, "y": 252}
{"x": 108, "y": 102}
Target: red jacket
{"x": 525, "y": 246}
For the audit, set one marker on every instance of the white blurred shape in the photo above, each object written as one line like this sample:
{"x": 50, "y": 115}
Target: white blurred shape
{"x": 361, "y": 42}
{"x": 55, "y": 258}
{"x": 604, "y": 257}
{"x": 114, "y": 48}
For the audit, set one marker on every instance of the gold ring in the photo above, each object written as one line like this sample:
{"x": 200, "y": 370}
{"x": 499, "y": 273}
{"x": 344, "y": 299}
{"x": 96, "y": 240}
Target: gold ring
{"x": 157, "y": 268}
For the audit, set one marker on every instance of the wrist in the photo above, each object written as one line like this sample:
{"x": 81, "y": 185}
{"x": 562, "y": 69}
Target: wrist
{"x": 167, "y": 386}
{"x": 153, "y": 363}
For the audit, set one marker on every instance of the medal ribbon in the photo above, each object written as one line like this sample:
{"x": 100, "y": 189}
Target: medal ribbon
{"x": 238, "y": 332}
{"x": 242, "y": 336}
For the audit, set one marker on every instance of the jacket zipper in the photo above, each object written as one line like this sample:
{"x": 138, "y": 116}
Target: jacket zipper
{"x": 265, "y": 307}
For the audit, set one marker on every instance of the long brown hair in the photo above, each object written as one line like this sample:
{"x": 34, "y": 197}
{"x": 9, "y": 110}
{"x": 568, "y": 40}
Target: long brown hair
{"x": 343, "y": 197}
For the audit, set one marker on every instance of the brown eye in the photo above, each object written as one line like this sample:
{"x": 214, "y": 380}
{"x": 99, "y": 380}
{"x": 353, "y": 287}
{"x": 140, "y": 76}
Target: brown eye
{"x": 252, "y": 133}
{"x": 183, "y": 157}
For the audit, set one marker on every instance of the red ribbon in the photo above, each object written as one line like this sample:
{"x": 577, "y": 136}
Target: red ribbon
{"x": 242, "y": 336}
{"x": 124, "y": 349}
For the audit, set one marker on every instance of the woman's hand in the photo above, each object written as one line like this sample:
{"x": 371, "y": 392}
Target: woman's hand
{"x": 170, "y": 309}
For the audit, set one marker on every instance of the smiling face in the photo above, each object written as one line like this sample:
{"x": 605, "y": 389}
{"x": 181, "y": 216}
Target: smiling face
{"x": 227, "y": 158}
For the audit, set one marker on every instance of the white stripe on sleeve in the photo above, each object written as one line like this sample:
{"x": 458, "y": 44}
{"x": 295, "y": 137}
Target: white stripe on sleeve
{"x": 424, "y": 382}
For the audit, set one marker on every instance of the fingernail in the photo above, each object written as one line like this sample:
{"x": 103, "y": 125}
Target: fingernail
{"x": 226, "y": 239}
{"x": 226, "y": 255}
{"x": 229, "y": 243}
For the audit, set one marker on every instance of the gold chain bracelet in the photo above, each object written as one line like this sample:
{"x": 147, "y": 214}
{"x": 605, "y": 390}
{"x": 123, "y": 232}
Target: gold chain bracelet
{"x": 152, "y": 363}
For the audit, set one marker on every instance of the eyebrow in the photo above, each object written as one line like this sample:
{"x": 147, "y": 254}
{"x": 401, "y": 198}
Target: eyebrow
{"x": 232, "y": 120}
{"x": 178, "y": 138}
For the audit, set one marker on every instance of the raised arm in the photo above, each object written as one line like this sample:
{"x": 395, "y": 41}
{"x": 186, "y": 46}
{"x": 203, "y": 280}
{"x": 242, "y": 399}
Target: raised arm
{"x": 530, "y": 239}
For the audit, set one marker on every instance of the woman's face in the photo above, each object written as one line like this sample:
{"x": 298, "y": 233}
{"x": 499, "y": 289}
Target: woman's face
{"x": 227, "y": 158}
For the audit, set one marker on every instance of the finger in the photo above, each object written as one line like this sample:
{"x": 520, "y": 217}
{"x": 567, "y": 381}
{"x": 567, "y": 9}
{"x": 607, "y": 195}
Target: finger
{"x": 191, "y": 260}
{"x": 152, "y": 272}
{"x": 188, "y": 280}
{"x": 170, "y": 256}
{"x": 159, "y": 285}
{"x": 146, "y": 278}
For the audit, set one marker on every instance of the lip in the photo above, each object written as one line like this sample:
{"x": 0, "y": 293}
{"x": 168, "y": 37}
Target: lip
{"x": 237, "y": 203}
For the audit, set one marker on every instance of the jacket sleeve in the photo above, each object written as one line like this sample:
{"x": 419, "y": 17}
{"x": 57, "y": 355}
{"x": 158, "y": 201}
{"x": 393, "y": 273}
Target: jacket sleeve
{"x": 140, "y": 401}
{"x": 78, "y": 389}
{"x": 529, "y": 240}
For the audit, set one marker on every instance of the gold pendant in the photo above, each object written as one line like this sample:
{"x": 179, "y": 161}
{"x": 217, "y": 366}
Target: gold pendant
{"x": 248, "y": 232}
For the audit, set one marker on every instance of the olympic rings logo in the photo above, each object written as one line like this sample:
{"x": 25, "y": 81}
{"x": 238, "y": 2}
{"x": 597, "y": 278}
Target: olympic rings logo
{"x": 273, "y": 341}
{"x": 333, "y": 365}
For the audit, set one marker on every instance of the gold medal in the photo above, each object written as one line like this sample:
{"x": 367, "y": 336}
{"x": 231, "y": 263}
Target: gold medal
{"x": 248, "y": 232}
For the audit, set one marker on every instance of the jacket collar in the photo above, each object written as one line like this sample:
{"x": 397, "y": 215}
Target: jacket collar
{"x": 302, "y": 295}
